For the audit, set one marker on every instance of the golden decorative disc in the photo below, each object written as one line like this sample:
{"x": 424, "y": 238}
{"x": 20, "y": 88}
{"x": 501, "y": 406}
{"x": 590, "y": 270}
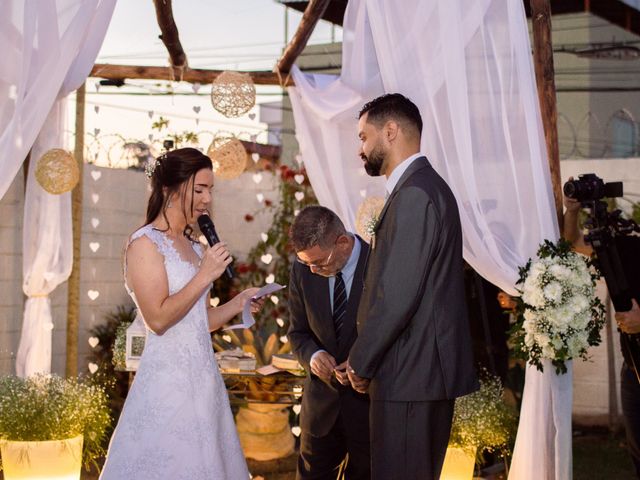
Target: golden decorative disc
{"x": 233, "y": 94}
{"x": 367, "y": 216}
{"x": 228, "y": 156}
{"x": 57, "y": 171}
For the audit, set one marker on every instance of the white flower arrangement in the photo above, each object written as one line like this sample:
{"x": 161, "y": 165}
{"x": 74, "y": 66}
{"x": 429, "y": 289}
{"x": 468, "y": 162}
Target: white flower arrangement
{"x": 559, "y": 314}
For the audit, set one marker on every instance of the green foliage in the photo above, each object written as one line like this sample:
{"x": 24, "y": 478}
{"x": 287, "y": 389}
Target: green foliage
{"x": 107, "y": 356}
{"x": 53, "y": 408}
{"x": 483, "y": 421}
{"x": 179, "y": 139}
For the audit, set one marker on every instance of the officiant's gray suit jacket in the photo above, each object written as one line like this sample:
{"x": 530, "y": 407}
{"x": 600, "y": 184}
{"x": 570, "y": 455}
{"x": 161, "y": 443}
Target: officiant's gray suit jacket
{"x": 312, "y": 329}
{"x": 413, "y": 333}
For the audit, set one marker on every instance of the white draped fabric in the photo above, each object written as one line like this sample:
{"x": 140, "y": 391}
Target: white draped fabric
{"x": 545, "y": 421}
{"x": 467, "y": 65}
{"x": 49, "y": 49}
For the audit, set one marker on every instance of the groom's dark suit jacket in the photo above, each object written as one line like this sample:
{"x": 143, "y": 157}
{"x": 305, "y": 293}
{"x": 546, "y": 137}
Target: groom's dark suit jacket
{"x": 413, "y": 331}
{"x": 311, "y": 329}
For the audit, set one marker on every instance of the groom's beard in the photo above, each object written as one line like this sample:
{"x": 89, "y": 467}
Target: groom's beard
{"x": 374, "y": 161}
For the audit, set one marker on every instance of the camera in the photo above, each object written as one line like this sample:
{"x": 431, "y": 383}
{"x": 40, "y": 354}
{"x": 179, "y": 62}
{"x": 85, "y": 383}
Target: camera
{"x": 617, "y": 248}
{"x": 589, "y": 187}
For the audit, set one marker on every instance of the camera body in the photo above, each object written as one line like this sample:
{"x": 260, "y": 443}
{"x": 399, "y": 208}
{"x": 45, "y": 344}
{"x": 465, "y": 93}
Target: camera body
{"x": 616, "y": 250}
{"x": 589, "y": 188}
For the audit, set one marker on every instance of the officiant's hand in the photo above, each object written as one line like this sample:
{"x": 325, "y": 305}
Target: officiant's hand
{"x": 322, "y": 365}
{"x": 359, "y": 384}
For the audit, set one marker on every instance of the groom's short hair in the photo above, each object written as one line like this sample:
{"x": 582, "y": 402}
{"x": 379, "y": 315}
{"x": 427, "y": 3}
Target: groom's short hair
{"x": 393, "y": 106}
{"x": 315, "y": 225}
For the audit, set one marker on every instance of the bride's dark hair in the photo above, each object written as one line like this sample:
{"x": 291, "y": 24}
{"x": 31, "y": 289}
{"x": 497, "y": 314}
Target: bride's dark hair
{"x": 175, "y": 171}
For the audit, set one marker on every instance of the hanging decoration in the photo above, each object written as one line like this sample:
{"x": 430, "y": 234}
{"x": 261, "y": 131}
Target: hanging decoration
{"x": 57, "y": 171}
{"x": 228, "y": 156}
{"x": 233, "y": 94}
{"x": 367, "y": 216}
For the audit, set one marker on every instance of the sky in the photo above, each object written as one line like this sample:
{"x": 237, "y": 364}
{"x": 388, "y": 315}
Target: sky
{"x": 215, "y": 34}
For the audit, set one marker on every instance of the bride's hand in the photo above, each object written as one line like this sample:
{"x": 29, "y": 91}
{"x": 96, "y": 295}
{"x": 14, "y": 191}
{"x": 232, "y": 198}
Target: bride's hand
{"x": 245, "y": 296}
{"x": 215, "y": 260}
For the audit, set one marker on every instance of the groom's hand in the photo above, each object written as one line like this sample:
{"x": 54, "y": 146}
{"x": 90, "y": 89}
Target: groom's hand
{"x": 359, "y": 384}
{"x": 322, "y": 365}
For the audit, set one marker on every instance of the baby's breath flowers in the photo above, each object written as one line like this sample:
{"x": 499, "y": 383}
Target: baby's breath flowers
{"x": 559, "y": 314}
{"x": 48, "y": 407}
{"x": 482, "y": 421}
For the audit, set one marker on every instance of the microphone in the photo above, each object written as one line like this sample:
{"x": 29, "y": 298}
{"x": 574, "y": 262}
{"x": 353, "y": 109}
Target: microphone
{"x": 209, "y": 231}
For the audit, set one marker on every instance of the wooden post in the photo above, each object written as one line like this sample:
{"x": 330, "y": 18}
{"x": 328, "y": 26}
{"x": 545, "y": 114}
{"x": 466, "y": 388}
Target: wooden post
{"x": 543, "y": 61}
{"x": 73, "y": 295}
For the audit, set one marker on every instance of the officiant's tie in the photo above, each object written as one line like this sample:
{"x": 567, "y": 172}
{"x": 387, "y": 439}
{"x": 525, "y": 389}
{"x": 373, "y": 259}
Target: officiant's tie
{"x": 339, "y": 304}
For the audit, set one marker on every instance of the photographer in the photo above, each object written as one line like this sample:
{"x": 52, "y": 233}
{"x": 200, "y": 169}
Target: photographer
{"x": 628, "y": 322}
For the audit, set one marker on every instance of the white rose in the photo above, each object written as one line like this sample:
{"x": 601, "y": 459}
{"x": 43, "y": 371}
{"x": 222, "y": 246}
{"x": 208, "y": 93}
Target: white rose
{"x": 553, "y": 292}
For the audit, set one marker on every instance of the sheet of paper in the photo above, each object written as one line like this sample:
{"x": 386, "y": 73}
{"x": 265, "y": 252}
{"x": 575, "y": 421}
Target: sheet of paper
{"x": 267, "y": 370}
{"x": 247, "y": 318}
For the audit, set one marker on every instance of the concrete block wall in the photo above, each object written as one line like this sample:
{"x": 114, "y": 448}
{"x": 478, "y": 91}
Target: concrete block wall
{"x": 114, "y": 206}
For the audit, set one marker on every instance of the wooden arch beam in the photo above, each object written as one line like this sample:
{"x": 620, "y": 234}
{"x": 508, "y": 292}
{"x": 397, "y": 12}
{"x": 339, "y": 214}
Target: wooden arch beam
{"x": 169, "y": 35}
{"x": 191, "y": 75}
{"x": 312, "y": 14}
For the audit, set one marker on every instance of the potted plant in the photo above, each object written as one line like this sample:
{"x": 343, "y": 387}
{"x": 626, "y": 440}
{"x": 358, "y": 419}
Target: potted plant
{"x": 482, "y": 422}
{"x": 50, "y": 426}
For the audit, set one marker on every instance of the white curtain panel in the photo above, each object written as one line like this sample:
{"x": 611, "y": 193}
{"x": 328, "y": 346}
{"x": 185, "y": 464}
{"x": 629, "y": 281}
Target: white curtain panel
{"x": 467, "y": 65}
{"x": 50, "y": 47}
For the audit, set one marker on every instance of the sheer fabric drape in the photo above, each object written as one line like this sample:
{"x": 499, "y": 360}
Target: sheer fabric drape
{"x": 467, "y": 65}
{"x": 49, "y": 49}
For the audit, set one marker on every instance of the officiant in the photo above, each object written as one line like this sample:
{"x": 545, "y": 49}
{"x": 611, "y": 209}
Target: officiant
{"x": 325, "y": 289}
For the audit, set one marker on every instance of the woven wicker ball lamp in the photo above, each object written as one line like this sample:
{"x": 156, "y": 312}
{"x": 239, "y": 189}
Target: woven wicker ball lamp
{"x": 229, "y": 157}
{"x": 233, "y": 94}
{"x": 57, "y": 171}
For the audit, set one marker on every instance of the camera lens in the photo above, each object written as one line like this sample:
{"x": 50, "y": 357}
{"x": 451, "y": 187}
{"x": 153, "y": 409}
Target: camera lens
{"x": 570, "y": 188}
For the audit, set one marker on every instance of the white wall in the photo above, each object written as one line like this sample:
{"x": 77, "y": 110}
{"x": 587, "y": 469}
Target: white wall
{"x": 120, "y": 209}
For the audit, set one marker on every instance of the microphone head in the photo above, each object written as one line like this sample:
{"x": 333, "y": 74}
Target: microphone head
{"x": 204, "y": 221}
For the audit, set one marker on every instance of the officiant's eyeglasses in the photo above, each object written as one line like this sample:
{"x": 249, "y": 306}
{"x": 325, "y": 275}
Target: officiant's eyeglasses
{"x": 321, "y": 264}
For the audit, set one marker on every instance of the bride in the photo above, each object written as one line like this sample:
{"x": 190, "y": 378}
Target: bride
{"x": 176, "y": 422}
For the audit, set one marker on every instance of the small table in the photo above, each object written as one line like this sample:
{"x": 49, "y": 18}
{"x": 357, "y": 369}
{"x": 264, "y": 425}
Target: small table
{"x": 282, "y": 387}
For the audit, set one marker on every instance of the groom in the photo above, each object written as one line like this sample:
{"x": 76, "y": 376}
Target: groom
{"x": 413, "y": 353}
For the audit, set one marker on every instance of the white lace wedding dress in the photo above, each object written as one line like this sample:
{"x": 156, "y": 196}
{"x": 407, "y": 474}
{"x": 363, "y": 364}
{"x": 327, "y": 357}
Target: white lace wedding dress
{"x": 176, "y": 422}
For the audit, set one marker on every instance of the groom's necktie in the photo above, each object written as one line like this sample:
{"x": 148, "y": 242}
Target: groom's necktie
{"x": 339, "y": 304}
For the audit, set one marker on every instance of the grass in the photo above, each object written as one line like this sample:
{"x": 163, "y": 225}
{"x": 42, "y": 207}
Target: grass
{"x": 600, "y": 454}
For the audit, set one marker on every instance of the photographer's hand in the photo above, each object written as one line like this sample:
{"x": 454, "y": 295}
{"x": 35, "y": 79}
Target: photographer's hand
{"x": 629, "y": 322}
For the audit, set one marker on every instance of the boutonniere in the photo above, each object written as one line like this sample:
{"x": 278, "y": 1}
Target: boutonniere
{"x": 368, "y": 217}
{"x": 370, "y": 228}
